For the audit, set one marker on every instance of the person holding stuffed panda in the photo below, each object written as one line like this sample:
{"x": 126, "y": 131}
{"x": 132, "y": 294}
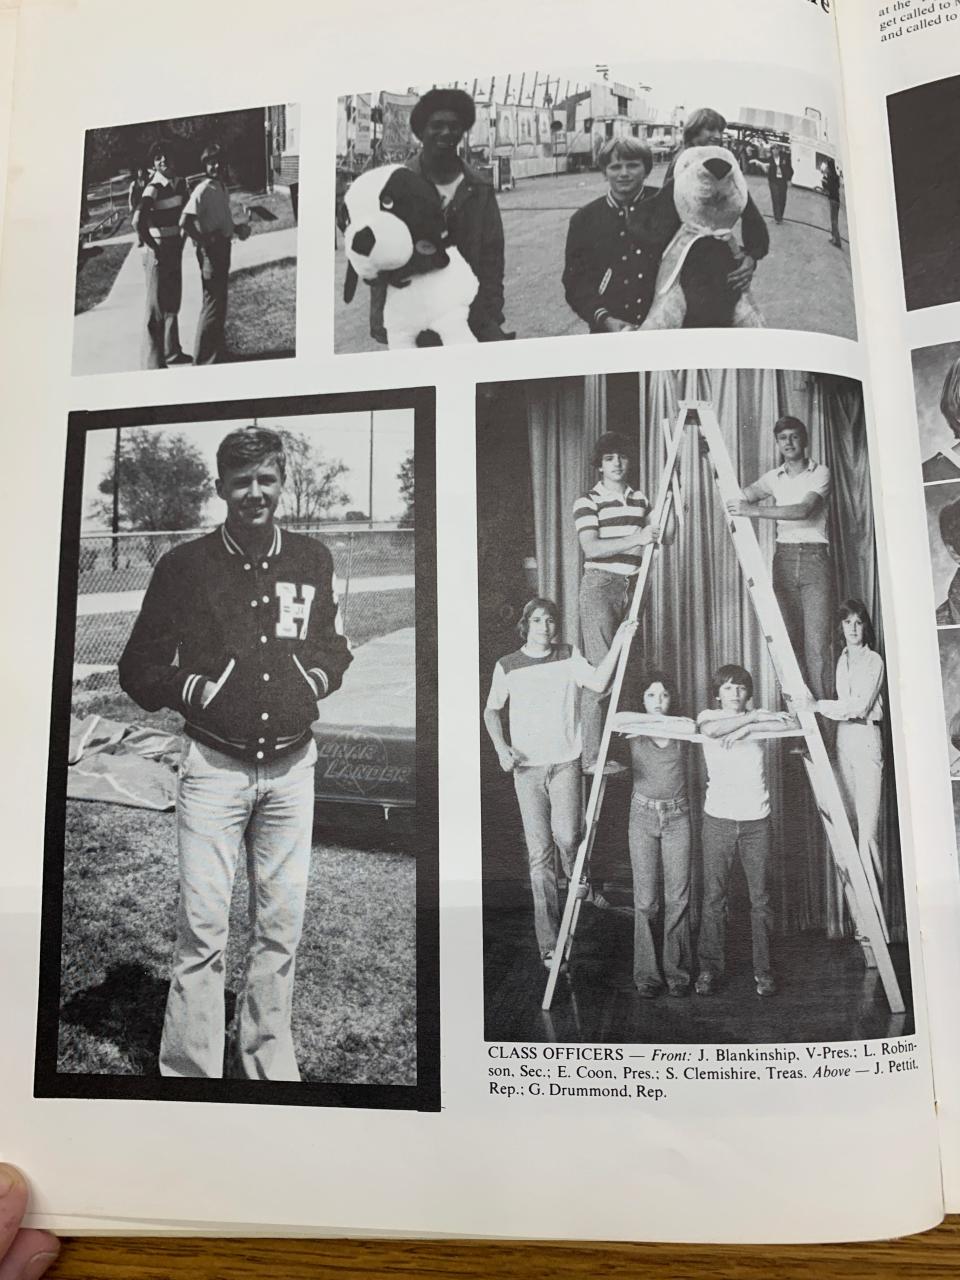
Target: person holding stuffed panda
{"x": 439, "y": 121}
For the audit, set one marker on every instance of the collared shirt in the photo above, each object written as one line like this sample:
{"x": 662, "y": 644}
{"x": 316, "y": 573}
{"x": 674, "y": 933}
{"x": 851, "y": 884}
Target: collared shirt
{"x": 544, "y": 702}
{"x": 612, "y": 515}
{"x": 787, "y": 490}
{"x": 859, "y": 688}
{"x": 209, "y": 203}
{"x": 161, "y": 204}
{"x": 736, "y": 781}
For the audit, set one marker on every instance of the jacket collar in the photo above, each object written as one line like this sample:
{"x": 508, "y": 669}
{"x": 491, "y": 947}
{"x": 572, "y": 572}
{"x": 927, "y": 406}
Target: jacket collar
{"x": 234, "y": 548}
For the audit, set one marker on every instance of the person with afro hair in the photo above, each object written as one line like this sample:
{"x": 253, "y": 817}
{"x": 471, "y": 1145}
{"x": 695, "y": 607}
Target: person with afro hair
{"x": 439, "y": 121}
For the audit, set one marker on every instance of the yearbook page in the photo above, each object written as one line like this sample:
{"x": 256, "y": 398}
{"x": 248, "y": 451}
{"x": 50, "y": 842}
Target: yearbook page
{"x": 472, "y": 786}
{"x": 899, "y": 65}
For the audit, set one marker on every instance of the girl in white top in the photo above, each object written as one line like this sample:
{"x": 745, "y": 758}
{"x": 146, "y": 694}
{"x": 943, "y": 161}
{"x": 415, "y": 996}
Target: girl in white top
{"x": 858, "y": 707}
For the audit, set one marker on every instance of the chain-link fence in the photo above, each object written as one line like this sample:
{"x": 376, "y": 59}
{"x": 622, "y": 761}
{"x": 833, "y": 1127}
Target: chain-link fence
{"x": 374, "y": 570}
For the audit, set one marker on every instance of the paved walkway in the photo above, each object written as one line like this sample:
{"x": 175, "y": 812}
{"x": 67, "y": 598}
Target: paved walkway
{"x": 95, "y": 602}
{"x": 107, "y": 339}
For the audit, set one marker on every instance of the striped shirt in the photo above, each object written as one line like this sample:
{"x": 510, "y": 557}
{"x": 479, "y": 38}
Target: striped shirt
{"x": 612, "y": 515}
{"x": 161, "y": 204}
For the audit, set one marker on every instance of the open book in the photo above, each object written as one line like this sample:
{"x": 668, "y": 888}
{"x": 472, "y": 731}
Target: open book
{"x": 500, "y": 775}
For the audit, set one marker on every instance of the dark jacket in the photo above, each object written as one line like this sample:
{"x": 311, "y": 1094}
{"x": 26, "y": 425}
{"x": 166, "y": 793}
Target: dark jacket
{"x": 786, "y": 169}
{"x": 613, "y": 255}
{"x": 475, "y": 227}
{"x": 262, "y": 629}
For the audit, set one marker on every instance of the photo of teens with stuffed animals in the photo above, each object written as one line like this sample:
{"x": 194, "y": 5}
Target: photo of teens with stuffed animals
{"x": 689, "y": 809}
{"x": 589, "y": 202}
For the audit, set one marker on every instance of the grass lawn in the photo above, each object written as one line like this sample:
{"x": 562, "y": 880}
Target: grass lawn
{"x": 267, "y": 210}
{"x": 98, "y": 265}
{"x": 262, "y": 312}
{"x": 354, "y": 1015}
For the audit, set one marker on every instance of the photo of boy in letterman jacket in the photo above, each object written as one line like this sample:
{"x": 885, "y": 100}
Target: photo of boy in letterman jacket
{"x": 238, "y": 632}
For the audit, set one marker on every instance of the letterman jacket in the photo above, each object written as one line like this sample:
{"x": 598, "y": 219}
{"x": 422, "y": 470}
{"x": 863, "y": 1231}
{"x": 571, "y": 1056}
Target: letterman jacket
{"x": 262, "y": 629}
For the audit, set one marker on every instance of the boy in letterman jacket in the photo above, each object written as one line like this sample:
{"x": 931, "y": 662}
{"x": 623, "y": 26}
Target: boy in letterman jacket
{"x": 238, "y": 632}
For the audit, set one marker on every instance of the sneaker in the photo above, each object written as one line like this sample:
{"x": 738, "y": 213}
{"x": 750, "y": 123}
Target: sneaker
{"x": 180, "y": 358}
{"x": 611, "y": 769}
{"x": 648, "y": 988}
{"x": 678, "y": 988}
{"x": 706, "y": 984}
{"x": 766, "y": 985}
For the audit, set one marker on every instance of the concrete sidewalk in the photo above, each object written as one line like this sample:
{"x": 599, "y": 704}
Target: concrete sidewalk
{"x": 107, "y": 339}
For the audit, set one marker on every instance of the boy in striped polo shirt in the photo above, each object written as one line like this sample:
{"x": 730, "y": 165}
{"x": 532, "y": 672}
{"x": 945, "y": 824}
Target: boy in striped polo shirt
{"x": 613, "y": 528}
{"x": 541, "y": 683}
{"x": 156, "y": 220}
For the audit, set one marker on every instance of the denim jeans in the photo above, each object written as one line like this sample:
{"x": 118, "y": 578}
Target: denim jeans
{"x": 659, "y": 836}
{"x": 803, "y": 582}
{"x": 723, "y": 839}
{"x": 549, "y": 799}
{"x": 860, "y": 766}
{"x": 604, "y": 601}
{"x": 223, "y": 803}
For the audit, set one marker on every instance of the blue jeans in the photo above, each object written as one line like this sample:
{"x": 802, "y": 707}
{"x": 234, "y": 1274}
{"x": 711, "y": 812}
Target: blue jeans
{"x": 723, "y": 839}
{"x": 223, "y": 803}
{"x": 803, "y": 582}
{"x": 604, "y": 601}
{"x": 659, "y": 836}
{"x": 549, "y": 799}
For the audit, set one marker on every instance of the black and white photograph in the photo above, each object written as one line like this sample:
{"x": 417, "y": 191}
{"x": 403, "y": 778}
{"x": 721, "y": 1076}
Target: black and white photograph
{"x": 949, "y": 641}
{"x": 689, "y": 805}
{"x": 943, "y": 531}
{"x": 187, "y": 241}
{"x": 240, "y": 878}
{"x": 923, "y": 124}
{"x": 936, "y": 385}
{"x": 602, "y": 199}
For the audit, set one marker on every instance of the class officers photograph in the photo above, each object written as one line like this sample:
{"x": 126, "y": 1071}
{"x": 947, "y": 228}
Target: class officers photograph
{"x": 688, "y": 795}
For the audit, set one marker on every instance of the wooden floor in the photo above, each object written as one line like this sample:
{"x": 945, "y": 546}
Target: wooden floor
{"x": 824, "y": 991}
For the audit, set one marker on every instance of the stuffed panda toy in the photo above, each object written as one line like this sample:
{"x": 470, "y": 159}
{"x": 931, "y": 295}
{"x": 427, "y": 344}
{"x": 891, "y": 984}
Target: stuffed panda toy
{"x": 392, "y": 221}
{"x": 710, "y": 195}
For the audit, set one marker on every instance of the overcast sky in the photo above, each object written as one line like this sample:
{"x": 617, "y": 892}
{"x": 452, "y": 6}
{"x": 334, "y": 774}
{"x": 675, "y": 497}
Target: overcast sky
{"x": 343, "y": 436}
{"x": 725, "y": 86}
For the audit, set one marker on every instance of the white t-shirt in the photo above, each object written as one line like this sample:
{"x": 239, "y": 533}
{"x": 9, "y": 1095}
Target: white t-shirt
{"x": 786, "y": 490}
{"x": 447, "y": 190}
{"x": 544, "y": 702}
{"x": 736, "y": 781}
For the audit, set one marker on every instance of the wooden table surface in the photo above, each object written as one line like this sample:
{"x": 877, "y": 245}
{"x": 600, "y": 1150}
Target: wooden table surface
{"x": 935, "y": 1254}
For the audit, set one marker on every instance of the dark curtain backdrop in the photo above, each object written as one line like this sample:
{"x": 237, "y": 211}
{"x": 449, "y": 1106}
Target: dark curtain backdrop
{"x": 698, "y": 614}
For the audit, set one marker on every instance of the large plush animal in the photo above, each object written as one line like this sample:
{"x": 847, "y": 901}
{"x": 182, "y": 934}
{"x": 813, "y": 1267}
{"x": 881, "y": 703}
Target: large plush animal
{"x": 392, "y": 221}
{"x": 710, "y": 195}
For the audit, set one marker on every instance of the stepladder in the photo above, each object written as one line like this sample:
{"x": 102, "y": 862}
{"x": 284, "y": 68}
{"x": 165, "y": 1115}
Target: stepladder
{"x": 697, "y": 421}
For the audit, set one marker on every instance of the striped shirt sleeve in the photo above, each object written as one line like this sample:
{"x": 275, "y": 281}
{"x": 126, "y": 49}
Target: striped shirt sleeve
{"x": 585, "y": 515}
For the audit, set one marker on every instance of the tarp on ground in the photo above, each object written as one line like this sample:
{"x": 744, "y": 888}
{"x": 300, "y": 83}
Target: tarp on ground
{"x": 121, "y": 763}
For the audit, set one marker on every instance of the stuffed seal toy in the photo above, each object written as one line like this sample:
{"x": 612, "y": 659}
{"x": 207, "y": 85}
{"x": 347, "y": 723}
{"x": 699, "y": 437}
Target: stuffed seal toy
{"x": 710, "y": 195}
{"x": 392, "y": 221}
